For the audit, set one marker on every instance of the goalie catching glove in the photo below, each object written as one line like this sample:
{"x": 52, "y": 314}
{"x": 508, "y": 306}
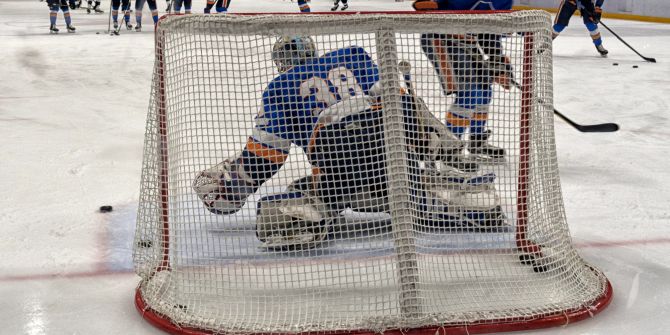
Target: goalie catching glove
{"x": 224, "y": 188}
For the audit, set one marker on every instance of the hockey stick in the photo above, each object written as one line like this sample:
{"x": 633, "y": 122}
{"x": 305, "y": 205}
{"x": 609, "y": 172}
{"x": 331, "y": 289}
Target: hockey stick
{"x": 648, "y": 59}
{"x": 584, "y": 128}
{"x": 587, "y": 12}
{"x": 109, "y": 19}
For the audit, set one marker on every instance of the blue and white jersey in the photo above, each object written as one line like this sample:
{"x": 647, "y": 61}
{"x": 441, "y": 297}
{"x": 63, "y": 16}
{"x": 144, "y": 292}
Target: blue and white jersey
{"x": 293, "y": 100}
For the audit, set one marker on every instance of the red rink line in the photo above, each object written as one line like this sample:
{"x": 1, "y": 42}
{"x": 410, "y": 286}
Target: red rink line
{"x": 101, "y": 272}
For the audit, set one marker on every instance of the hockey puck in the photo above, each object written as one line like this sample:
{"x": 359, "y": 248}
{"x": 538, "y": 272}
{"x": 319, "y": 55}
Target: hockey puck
{"x": 615, "y": 64}
{"x": 97, "y": 33}
{"x": 635, "y": 66}
{"x": 105, "y": 209}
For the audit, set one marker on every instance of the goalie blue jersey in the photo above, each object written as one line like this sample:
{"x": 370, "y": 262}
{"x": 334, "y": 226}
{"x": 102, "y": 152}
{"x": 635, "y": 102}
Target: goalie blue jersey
{"x": 293, "y": 100}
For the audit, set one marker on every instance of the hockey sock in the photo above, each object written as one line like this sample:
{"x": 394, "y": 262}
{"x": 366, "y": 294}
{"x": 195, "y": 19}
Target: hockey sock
{"x": 457, "y": 123}
{"x": 222, "y": 6}
{"x": 304, "y": 6}
{"x": 210, "y": 4}
{"x": 115, "y": 13}
{"x": 66, "y": 15}
{"x": 478, "y": 123}
{"x": 138, "y": 17}
{"x": 556, "y": 30}
{"x": 595, "y": 34}
{"x": 154, "y": 11}
{"x": 53, "y": 14}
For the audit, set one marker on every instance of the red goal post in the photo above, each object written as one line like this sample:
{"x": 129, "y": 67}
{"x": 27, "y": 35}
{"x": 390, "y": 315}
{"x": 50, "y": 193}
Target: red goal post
{"x": 204, "y": 273}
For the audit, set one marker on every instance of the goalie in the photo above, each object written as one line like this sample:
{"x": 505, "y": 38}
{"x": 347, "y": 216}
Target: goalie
{"x": 330, "y": 107}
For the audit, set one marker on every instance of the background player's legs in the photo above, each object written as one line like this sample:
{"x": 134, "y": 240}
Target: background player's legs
{"x": 187, "y": 6}
{"x": 53, "y": 15}
{"x": 304, "y": 6}
{"x": 139, "y": 5}
{"x": 66, "y": 15}
{"x": 565, "y": 11}
{"x": 595, "y": 35}
{"x": 222, "y": 6}
{"x": 95, "y": 8}
{"x": 208, "y": 7}
{"x": 126, "y": 13}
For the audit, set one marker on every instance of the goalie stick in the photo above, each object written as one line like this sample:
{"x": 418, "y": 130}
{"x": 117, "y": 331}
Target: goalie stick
{"x": 584, "y": 128}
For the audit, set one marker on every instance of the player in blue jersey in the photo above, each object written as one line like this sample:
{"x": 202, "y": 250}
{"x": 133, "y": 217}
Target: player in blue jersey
{"x": 591, "y": 13}
{"x": 139, "y": 5}
{"x": 330, "y": 106}
{"x": 221, "y": 6}
{"x": 462, "y": 71}
{"x": 54, "y": 5}
{"x": 125, "y": 7}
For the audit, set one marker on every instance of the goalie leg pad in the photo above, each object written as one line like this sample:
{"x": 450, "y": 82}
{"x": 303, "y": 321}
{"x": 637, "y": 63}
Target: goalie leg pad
{"x": 292, "y": 221}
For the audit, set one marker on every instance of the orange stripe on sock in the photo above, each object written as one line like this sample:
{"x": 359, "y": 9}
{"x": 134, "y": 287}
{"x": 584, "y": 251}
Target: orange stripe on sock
{"x": 457, "y": 121}
{"x": 262, "y": 151}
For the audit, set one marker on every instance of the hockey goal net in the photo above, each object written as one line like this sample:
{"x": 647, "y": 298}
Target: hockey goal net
{"x": 346, "y": 192}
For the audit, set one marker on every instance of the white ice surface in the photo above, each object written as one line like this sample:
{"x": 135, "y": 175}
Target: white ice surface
{"x": 72, "y": 113}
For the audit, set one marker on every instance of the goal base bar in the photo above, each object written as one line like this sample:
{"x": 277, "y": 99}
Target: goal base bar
{"x": 489, "y": 326}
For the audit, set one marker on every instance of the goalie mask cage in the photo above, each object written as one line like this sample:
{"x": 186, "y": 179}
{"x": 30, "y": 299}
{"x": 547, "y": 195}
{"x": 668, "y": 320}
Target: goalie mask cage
{"x": 383, "y": 271}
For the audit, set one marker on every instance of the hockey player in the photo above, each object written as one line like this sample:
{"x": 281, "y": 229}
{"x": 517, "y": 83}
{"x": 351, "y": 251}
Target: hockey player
{"x": 468, "y": 74}
{"x": 93, "y": 8}
{"x": 125, "y": 7}
{"x": 139, "y": 5}
{"x": 345, "y": 4}
{"x": 54, "y": 5}
{"x": 304, "y": 6}
{"x": 330, "y": 107}
{"x": 221, "y": 6}
{"x": 590, "y": 15}
{"x": 179, "y": 3}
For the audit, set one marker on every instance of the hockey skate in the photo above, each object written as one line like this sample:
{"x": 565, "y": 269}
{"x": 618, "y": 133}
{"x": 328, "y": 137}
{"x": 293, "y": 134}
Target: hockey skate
{"x": 345, "y": 6}
{"x": 53, "y": 29}
{"x": 71, "y": 28}
{"x": 129, "y": 26}
{"x": 481, "y": 150}
{"x": 96, "y": 9}
{"x": 335, "y": 6}
{"x": 138, "y": 27}
{"x": 601, "y": 50}
{"x": 117, "y": 29}
{"x": 464, "y": 204}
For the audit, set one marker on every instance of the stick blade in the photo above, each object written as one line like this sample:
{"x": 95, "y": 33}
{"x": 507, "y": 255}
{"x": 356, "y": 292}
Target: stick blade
{"x": 599, "y": 128}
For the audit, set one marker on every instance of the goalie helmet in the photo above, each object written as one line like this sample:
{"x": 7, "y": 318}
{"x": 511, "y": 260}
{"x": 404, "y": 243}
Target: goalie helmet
{"x": 289, "y": 51}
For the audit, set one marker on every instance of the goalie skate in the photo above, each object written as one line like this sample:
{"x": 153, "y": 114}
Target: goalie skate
{"x": 464, "y": 203}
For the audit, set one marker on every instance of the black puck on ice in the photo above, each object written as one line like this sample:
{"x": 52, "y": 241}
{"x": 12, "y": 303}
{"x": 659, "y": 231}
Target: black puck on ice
{"x": 635, "y": 66}
{"x": 105, "y": 209}
{"x": 97, "y": 33}
{"x": 615, "y": 64}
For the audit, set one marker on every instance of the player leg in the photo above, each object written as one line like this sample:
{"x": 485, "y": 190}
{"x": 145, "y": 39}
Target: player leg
{"x": 345, "y": 4}
{"x": 335, "y": 5}
{"x": 304, "y": 6}
{"x": 187, "y": 7}
{"x": 53, "y": 15}
{"x": 595, "y": 36}
{"x": 222, "y": 6}
{"x": 208, "y": 7}
{"x": 139, "y": 6}
{"x": 115, "y": 14}
{"x": 177, "y": 6}
{"x": 125, "y": 6}
{"x": 153, "y": 7}
{"x": 565, "y": 11}
{"x": 66, "y": 14}
{"x": 435, "y": 48}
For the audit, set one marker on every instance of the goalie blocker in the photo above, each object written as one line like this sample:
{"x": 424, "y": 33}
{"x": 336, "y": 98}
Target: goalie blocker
{"x": 342, "y": 134}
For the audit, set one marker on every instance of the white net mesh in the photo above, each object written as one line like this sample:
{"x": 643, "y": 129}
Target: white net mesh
{"x": 399, "y": 172}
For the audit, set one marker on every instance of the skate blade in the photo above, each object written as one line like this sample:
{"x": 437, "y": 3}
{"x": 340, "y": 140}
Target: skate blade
{"x": 484, "y": 159}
